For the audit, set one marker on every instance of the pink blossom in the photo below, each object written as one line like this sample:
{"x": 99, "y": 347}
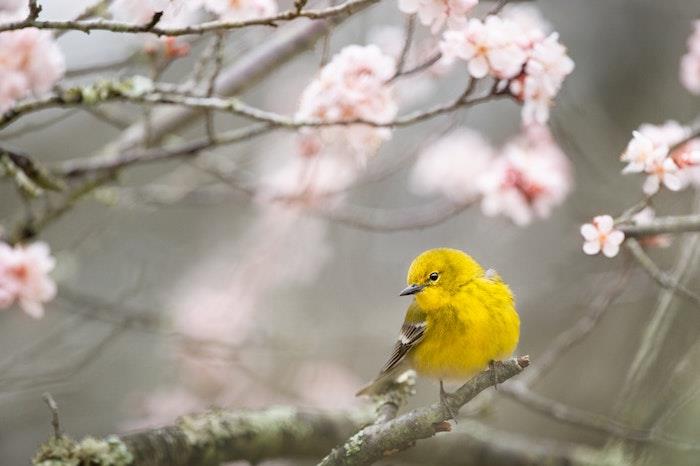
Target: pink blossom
{"x": 600, "y": 235}
{"x": 30, "y": 63}
{"x": 24, "y": 277}
{"x": 239, "y": 10}
{"x": 668, "y": 134}
{"x": 644, "y": 155}
{"x": 490, "y": 47}
{"x": 545, "y": 71}
{"x": 529, "y": 178}
{"x": 661, "y": 170}
{"x": 13, "y": 10}
{"x": 437, "y": 13}
{"x": 452, "y": 165}
{"x": 311, "y": 180}
{"x": 662, "y": 138}
{"x": 529, "y": 19}
{"x": 690, "y": 63}
{"x": 640, "y": 151}
{"x": 353, "y": 85}
{"x": 218, "y": 300}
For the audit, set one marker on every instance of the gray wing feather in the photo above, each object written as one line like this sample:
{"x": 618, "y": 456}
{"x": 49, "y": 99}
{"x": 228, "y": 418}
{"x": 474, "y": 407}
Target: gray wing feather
{"x": 411, "y": 334}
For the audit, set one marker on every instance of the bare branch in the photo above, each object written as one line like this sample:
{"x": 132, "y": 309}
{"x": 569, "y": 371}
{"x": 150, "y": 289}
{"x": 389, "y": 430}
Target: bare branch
{"x": 578, "y": 417}
{"x": 349, "y": 7}
{"x": 53, "y": 407}
{"x": 660, "y": 225}
{"x": 577, "y": 332}
{"x": 664, "y": 279}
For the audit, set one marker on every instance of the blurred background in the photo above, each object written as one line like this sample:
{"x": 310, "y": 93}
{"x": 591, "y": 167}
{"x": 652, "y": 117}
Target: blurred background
{"x": 310, "y": 305}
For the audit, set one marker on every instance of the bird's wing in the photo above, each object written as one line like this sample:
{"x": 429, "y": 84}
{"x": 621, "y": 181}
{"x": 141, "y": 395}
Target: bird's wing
{"x": 411, "y": 334}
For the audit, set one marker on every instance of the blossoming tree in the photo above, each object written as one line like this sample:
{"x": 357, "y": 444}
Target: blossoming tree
{"x": 327, "y": 140}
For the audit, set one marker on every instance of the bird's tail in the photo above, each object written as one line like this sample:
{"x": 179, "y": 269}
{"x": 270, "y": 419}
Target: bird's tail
{"x": 384, "y": 382}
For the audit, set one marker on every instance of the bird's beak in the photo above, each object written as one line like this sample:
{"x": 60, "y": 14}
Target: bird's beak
{"x": 411, "y": 289}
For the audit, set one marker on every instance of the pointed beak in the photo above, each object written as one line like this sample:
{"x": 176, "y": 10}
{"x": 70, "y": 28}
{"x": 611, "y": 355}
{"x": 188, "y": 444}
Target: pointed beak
{"x": 411, "y": 289}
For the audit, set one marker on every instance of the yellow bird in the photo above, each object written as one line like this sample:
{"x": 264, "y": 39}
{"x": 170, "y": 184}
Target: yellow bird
{"x": 461, "y": 320}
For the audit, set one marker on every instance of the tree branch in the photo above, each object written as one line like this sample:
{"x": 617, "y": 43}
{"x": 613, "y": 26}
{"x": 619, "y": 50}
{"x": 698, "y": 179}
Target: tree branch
{"x": 210, "y": 438}
{"x": 379, "y": 440}
{"x": 671, "y": 224}
{"x": 664, "y": 279}
{"x": 348, "y": 7}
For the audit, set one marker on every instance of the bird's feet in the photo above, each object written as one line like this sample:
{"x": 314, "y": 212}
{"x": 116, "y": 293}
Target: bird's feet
{"x": 494, "y": 375}
{"x": 446, "y": 400}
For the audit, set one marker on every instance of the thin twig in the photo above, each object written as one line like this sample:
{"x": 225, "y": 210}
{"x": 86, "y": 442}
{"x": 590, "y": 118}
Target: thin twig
{"x": 55, "y": 422}
{"x": 348, "y": 7}
{"x": 664, "y": 279}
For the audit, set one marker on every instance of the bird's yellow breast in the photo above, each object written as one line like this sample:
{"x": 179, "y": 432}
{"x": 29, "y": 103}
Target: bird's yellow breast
{"x": 475, "y": 326}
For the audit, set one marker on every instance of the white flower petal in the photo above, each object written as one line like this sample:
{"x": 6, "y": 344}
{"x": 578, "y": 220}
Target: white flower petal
{"x": 604, "y": 223}
{"x": 591, "y": 247}
{"x": 589, "y": 232}
{"x": 616, "y": 237}
{"x": 611, "y": 249}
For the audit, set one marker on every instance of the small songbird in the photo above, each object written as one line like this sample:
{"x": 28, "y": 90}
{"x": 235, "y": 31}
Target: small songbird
{"x": 461, "y": 320}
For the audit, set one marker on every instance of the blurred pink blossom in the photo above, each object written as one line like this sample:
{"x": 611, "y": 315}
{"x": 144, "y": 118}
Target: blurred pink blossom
{"x": 600, "y": 235}
{"x": 667, "y": 134}
{"x": 690, "y": 62}
{"x": 240, "y": 10}
{"x": 437, "y": 13}
{"x": 530, "y": 177}
{"x": 661, "y": 170}
{"x": 13, "y": 10}
{"x": 24, "y": 277}
{"x": 652, "y": 157}
{"x": 534, "y": 28}
{"x": 640, "y": 151}
{"x": 218, "y": 301}
{"x": 545, "y": 71}
{"x": 452, "y": 166}
{"x": 326, "y": 385}
{"x": 30, "y": 63}
{"x": 490, "y": 47}
{"x": 353, "y": 85}
{"x": 666, "y": 137}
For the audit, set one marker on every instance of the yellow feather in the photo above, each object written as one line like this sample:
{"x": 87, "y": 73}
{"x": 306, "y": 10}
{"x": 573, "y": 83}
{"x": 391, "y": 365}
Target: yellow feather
{"x": 469, "y": 314}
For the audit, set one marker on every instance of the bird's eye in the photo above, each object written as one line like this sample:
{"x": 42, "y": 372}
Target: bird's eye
{"x": 434, "y": 276}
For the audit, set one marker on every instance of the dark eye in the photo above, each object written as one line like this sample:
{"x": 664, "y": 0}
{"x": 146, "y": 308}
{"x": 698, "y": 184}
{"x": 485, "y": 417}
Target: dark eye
{"x": 434, "y": 276}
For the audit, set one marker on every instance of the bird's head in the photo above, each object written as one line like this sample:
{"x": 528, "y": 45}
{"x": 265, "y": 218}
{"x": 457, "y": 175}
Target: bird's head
{"x": 437, "y": 274}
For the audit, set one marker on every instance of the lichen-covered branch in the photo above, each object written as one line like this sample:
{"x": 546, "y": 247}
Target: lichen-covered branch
{"x": 211, "y": 438}
{"x": 380, "y": 440}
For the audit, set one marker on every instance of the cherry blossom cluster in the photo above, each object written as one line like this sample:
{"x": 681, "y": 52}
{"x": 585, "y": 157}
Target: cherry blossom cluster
{"x": 353, "y": 85}
{"x": 30, "y": 60}
{"x": 524, "y": 180}
{"x": 690, "y": 63}
{"x": 516, "y": 51}
{"x": 24, "y": 277}
{"x": 653, "y": 151}
{"x": 438, "y": 13}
